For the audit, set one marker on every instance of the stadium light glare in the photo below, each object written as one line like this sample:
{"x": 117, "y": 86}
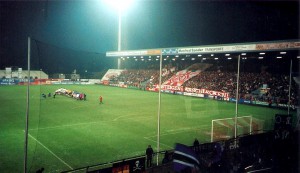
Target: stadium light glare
{"x": 282, "y": 53}
{"x": 243, "y": 54}
{"x": 298, "y": 57}
{"x": 229, "y": 58}
{"x": 227, "y": 54}
{"x": 279, "y": 57}
{"x": 260, "y": 57}
{"x": 199, "y": 55}
{"x": 203, "y": 58}
{"x": 177, "y": 56}
{"x": 119, "y": 5}
{"x": 262, "y": 53}
{"x": 211, "y": 54}
{"x": 216, "y": 58}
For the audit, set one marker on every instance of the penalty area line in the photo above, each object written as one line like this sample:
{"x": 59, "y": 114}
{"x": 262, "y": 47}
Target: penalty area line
{"x": 50, "y": 151}
{"x": 160, "y": 143}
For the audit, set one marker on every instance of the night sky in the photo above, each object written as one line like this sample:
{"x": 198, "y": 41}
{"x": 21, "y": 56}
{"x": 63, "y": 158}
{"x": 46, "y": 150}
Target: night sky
{"x": 91, "y": 25}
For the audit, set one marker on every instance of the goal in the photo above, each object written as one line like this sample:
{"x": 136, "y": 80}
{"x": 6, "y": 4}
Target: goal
{"x": 223, "y": 129}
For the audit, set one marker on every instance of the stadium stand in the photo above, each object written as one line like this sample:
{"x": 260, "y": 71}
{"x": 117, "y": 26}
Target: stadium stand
{"x": 34, "y": 74}
{"x": 268, "y": 87}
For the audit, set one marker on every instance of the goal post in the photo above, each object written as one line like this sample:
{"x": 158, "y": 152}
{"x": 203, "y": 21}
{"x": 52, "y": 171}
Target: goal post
{"x": 223, "y": 129}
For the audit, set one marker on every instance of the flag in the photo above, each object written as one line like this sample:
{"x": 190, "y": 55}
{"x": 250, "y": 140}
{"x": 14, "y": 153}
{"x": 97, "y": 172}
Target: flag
{"x": 184, "y": 158}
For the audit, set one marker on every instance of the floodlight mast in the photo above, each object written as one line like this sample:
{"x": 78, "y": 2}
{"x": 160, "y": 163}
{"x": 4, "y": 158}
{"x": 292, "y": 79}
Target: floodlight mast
{"x": 119, "y": 37}
{"x": 120, "y": 6}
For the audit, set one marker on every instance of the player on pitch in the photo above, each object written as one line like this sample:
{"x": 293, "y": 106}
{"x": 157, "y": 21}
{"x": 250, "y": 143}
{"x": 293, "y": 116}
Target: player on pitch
{"x": 100, "y": 100}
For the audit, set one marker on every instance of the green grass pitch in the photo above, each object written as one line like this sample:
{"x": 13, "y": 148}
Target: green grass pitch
{"x": 65, "y": 133}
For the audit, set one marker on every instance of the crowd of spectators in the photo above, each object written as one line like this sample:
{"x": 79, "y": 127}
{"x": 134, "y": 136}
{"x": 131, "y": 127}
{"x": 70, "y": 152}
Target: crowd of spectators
{"x": 275, "y": 90}
{"x": 262, "y": 86}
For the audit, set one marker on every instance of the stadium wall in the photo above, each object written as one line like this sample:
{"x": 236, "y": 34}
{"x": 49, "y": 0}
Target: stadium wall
{"x": 13, "y": 81}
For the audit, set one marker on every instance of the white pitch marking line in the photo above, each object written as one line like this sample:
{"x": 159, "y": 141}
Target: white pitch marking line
{"x": 50, "y": 151}
{"x": 160, "y": 142}
{"x": 79, "y": 124}
{"x": 176, "y": 131}
{"x": 120, "y": 117}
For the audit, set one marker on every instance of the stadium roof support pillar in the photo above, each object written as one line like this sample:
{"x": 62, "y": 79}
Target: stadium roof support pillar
{"x": 290, "y": 85}
{"x": 158, "y": 111}
{"x": 237, "y": 98}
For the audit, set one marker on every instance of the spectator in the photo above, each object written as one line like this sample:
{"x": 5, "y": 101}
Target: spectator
{"x": 40, "y": 170}
{"x": 149, "y": 154}
{"x": 196, "y": 145}
{"x": 166, "y": 158}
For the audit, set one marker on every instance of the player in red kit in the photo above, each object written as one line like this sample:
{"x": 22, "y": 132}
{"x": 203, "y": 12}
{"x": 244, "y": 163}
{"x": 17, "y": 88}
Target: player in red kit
{"x": 100, "y": 99}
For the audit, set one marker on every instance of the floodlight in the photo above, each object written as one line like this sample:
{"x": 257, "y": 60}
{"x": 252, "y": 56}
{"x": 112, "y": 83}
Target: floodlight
{"x": 119, "y": 5}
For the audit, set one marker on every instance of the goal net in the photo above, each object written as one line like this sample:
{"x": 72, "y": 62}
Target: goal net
{"x": 223, "y": 129}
